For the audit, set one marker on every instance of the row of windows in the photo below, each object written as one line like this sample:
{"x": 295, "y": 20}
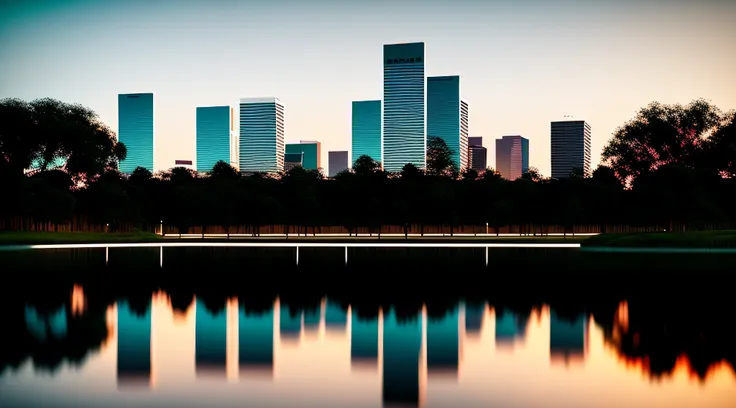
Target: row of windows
{"x": 403, "y": 60}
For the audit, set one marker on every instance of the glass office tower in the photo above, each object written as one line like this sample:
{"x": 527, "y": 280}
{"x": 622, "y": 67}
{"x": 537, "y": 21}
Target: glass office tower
{"x": 512, "y": 156}
{"x": 135, "y": 130}
{"x": 404, "y": 107}
{"x": 213, "y": 136}
{"x": 447, "y": 116}
{"x": 366, "y": 130}
{"x": 337, "y": 162}
{"x": 311, "y": 153}
{"x": 570, "y": 147}
{"x": 261, "y": 135}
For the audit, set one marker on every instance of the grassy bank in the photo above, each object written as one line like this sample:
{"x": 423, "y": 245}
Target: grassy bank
{"x": 696, "y": 239}
{"x": 37, "y": 238}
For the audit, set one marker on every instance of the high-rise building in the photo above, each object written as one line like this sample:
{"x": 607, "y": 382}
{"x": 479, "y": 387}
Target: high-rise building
{"x": 213, "y": 136}
{"x": 477, "y": 154}
{"x": 447, "y": 116}
{"x": 570, "y": 147}
{"x": 512, "y": 156}
{"x": 404, "y": 107}
{"x": 292, "y": 160}
{"x": 261, "y": 135}
{"x": 366, "y": 130}
{"x": 337, "y": 162}
{"x": 312, "y": 152}
{"x": 135, "y": 130}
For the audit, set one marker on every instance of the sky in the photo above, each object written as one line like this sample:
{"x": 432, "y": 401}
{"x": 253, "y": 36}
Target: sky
{"x": 522, "y": 63}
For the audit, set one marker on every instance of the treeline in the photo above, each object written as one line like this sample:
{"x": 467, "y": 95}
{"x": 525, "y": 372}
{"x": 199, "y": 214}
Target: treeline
{"x": 368, "y": 200}
{"x": 670, "y": 168}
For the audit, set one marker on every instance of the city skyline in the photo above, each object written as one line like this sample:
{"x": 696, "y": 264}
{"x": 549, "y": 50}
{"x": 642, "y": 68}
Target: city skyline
{"x": 517, "y": 62}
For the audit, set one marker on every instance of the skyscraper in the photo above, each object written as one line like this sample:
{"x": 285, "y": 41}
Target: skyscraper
{"x": 337, "y": 162}
{"x": 512, "y": 156}
{"x": 404, "y": 107}
{"x": 213, "y": 136}
{"x": 570, "y": 147}
{"x": 366, "y": 130}
{"x": 312, "y": 152}
{"x": 447, "y": 116}
{"x": 135, "y": 130}
{"x": 261, "y": 135}
{"x": 477, "y": 154}
{"x": 292, "y": 160}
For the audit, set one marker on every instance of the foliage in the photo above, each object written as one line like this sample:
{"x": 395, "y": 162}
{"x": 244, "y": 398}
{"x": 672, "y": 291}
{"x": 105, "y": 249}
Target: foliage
{"x": 439, "y": 158}
{"x": 45, "y": 131}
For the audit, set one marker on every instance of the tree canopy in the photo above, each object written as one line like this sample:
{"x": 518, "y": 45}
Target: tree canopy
{"x": 693, "y": 135}
{"x": 47, "y": 131}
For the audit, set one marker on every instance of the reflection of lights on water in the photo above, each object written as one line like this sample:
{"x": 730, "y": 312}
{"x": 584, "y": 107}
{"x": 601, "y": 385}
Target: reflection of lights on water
{"x": 295, "y": 245}
{"x": 78, "y": 300}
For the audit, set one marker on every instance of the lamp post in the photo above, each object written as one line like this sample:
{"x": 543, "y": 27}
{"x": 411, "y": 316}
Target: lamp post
{"x": 162, "y": 228}
{"x": 486, "y": 228}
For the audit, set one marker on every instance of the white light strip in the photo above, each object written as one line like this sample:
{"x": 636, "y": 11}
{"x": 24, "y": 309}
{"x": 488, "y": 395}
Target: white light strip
{"x": 292, "y": 245}
{"x": 382, "y": 235}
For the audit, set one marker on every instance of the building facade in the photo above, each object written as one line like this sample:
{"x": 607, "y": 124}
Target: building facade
{"x": 292, "y": 160}
{"x": 512, "y": 156}
{"x": 404, "y": 106}
{"x": 312, "y": 151}
{"x": 337, "y": 162}
{"x": 135, "y": 130}
{"x": 570, "y": 147}
{"x": 213, "y": 136}
{"x": 366, "y": 130}
{"x": 447, "y": 116}
{"x": 477, "y": 154}
{"x": 261, "y": 141}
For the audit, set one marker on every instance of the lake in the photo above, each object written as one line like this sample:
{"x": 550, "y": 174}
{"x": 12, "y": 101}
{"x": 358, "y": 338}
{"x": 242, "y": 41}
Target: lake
{"x": 366, "y": 327}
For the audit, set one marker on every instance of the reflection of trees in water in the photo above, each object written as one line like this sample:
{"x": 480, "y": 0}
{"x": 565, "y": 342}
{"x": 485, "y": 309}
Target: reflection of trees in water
{"x": 662, "y": 339}
{"x": 84, "y": 334}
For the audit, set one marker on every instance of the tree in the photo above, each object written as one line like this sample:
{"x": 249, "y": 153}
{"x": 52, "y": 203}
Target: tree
{"x": 411, "y": 172}
{"x": 439, "y": 158}
{"x": 720, "y": 156}
{"x": 365, "y": 165}
{"x": 532, "y": 174}
{"x": 46, "y": 131}
{"x": 660, "y": 134}
{"x": 223, "y": 171}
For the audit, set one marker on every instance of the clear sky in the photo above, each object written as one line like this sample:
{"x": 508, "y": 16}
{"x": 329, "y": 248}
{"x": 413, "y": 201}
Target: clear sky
{"x": 523, "y": 63}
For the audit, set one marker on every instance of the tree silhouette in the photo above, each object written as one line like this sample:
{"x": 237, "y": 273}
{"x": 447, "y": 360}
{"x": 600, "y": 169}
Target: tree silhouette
{"x": 661, "y": 134}
{"x": 439, "y": 158}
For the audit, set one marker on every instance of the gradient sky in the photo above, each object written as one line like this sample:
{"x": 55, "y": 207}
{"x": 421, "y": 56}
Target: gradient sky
{"x": 523, "y": 63}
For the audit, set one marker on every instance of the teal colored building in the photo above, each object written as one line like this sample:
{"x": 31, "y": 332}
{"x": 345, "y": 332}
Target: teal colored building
{"x": 214, "y": 124}
{"x": 261, "y": 135}
{"x": 404, "y": 106}
{"x": 447, "y": 116}
{"x": 134, "y": 345}
{"x": 135, "y": 130}
{"x": 311, "y": 153}
{"x": 366, "y": 130}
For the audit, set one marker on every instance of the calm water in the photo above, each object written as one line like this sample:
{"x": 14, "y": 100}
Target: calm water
{"x": 432, "y": 328}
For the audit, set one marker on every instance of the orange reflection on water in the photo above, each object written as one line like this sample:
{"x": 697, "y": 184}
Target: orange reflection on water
{"x": 78, "y": 300}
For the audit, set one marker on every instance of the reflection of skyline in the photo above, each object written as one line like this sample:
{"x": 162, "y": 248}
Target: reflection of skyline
{"x": 134, "y": 346}
{"x": 443, "y": 343}
{"x": 510, "y": 327}
{"x": 210, "y": 341}
{"x": 165, "y": 354}
{"x": 568, "y": 339}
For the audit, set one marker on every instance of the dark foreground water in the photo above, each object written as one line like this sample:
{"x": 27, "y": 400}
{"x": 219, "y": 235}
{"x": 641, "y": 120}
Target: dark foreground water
{"x": 215, "y": 327}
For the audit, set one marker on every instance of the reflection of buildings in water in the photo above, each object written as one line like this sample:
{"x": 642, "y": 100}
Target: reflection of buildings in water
{"x": 402, "y": 344}
{"x": 256, "y": 342}
{"x": 335, "y": 316}
{"x": 474, "y": 314}
{"x": 312, "y": 319}
{"x": 210, "y": 341}
{"x": 443, "y": 343}
{"x": 43, "y": 327}
{"x": 510, "y": 327}
{"x": 134, "y": 346}
{"x": 290, "y": 323}
{"x": 364, "y": 341}
{"x": 568, "y": 340}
